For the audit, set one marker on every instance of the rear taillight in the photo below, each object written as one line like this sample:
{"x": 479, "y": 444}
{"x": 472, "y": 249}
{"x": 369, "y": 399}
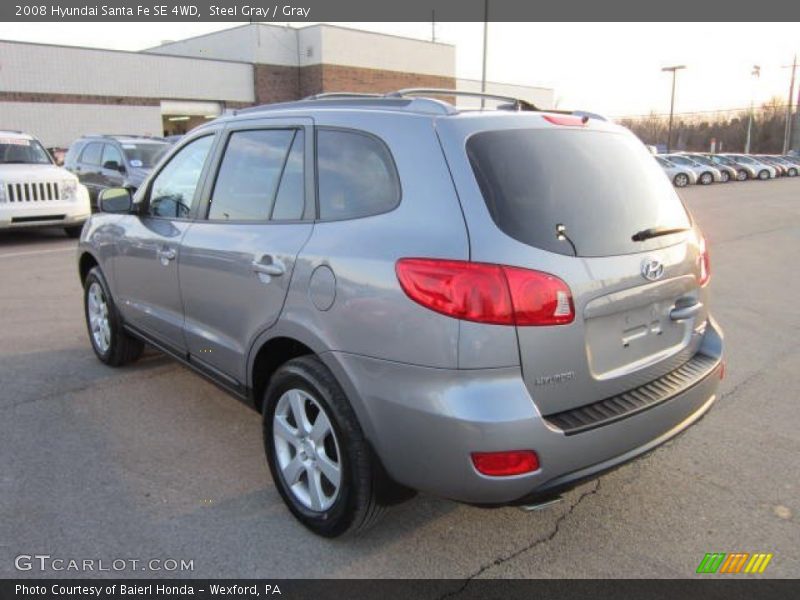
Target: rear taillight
{"x": 486, "y": 293}
{"x": 504, "y": 464}
{"x": 566, "y": 120}
{"x": 704, "y": 263}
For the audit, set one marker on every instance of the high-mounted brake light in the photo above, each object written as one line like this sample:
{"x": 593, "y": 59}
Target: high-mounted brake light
{"x": 566, "y": 120}
{"x": 504, "y": 464}
{"x": 704, "y": 262}
{"x": 486, "y": 293}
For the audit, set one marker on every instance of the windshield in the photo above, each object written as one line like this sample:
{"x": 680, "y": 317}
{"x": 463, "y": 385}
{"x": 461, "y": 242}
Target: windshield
{"x": 746, "y": 160}
{"x": 723, "y": 161}
{"x": 22, "y": 151}
{"x": 703, "y": 160}
{"x": 534, "y": 180}
{"x": 144, "y": 155}
{"x": 682, "y": 160}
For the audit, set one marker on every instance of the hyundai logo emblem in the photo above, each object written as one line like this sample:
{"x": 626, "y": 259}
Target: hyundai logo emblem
{"x": 652, "y": 269}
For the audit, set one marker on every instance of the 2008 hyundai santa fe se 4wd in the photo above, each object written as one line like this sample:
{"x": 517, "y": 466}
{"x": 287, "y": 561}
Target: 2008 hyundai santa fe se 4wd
{"x": 471, "y": 304}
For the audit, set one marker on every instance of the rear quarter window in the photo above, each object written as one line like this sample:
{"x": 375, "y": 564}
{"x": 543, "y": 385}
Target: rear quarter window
{"x": 602, "y": 186}
{"x": 356, "y": 175}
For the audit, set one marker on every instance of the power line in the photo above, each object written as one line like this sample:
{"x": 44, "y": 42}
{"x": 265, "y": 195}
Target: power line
{"x": 701, "y": 112}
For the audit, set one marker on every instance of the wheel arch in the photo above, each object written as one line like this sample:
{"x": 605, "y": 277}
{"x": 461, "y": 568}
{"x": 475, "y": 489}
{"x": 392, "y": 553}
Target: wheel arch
{"x": 86, "y": 263}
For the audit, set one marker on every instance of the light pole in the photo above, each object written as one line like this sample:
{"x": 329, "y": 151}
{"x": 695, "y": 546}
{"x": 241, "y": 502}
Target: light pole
{"x": 485, "y": 45}
{"x": 755, "y": 73}
{"x": 674, "y": 70}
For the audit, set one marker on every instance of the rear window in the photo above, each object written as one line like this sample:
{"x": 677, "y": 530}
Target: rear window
{"x": 602, "y": 187}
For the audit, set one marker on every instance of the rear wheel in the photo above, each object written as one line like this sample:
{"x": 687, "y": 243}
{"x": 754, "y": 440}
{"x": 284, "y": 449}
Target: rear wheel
{"x": 792, "y": 172}
{"x": 681, "y": 180}
{"x": 741, "y": 175}
{"x": 763, "y": 174}
{"x": 110, "y": 342}
{"x": 706, "y": 178}
{"x": 319, "y": 458}
{"x": 725, "y": 176}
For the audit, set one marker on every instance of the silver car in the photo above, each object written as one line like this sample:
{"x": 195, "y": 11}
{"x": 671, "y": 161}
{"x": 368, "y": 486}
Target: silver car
{"x": 679, "y": 176}
{"x": 470, "y": 304}
{"x": 706, "y": 174}
{"x": 759, "y": 170}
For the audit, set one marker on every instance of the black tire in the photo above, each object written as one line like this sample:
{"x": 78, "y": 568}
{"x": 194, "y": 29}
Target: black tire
{"x": 360, "y": 498}
{"x": 73, "y": 231}
{"x": 741, "y": 175}
{"x": 680, "y": 180}
{"x": 763, "y": 174}
{"x": 706, "y": 178}
{"x": 123, "y": 348}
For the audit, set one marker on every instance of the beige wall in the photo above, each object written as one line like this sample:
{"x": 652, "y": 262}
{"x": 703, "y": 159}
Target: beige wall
{"x": 61, "y": 124}
{"x": 540, "y": 96}
{"x": 37, "y": 68}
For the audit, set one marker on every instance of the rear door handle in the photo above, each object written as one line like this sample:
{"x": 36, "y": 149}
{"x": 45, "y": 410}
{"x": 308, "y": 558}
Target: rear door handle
{"x": 268, "y": 266}
{"x": 681, "y": 313}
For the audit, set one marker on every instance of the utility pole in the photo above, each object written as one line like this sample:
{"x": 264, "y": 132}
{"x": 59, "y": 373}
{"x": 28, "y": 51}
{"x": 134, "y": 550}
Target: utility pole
{"x": 674, "y": 70}
{"x": 787, "y": 132}
{"x": 755, "y": 73}
{"x": 485, "y": 43}
{"x": 433, "y": 25}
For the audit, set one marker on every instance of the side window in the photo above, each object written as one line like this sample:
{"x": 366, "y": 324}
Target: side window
{"x": 357, "y": 176}
{"x": 249, "y": 176}
{"x": 291, "y": 198}
{"x": 91, "y": 154}
{"x": 172, "y": 191}
{"x": 111, "y": 155}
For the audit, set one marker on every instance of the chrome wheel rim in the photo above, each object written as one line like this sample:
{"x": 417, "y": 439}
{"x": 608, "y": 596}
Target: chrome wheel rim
{"x": 307, "y": 450}
{"x": 681, "y": 180}
{"x": 741, "y": 176}
{"x": 98, "y": 317}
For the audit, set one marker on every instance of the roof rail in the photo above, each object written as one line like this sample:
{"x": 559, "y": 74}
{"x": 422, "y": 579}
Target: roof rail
{"x": 516, "y": 103}
{"x": 325, "y": 95}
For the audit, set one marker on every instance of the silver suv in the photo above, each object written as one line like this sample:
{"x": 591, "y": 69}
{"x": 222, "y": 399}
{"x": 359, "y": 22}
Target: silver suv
{"x": 470, "y": 304}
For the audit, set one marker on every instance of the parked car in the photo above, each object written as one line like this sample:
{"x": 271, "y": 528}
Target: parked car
{"x": 549, "y": 322}
{"x": 679, "y": 176}
{"x": 759, "y": 169}
{"x": 743, "y": 171}
{"x": 34, "y": 192}
{"x": 706, "y": 174}
{"x": 727, "y": 173}
{"x": 788, "y": 168}
{"x": 780, "y": 168}
{"x": 107, "y": 161}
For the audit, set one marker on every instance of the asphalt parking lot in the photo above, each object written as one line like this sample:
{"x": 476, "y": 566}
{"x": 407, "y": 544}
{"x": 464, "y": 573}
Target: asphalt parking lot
{"x": 152, "y": 461}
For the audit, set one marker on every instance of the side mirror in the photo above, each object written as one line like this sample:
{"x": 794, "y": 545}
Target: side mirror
{"x": 115, "y": 200}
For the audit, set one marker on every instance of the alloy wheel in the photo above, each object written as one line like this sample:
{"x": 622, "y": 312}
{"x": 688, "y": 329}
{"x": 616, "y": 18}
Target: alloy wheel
{"x": 98, "y": 317}
{"x": 307, "y": 450}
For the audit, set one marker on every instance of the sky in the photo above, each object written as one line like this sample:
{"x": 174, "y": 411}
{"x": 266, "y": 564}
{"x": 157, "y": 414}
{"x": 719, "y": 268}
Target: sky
{"x": 611, "y": 68}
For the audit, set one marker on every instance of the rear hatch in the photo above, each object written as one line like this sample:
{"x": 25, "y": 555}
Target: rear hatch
{"x": 569, "y": 200}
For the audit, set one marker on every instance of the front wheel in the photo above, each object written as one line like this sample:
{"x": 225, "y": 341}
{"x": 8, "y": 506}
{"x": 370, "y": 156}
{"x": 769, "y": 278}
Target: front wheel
{"x": 792, "y": 172}
{"x": 706, "y": 178}
{"x": 681, "y": 180}
{"x": 110, "y": 342}
{"x": 741, "y": 175}
{"x": 319, "y": 458}
{"x": 763, "y": 174}
{"x": 725, "y": 177}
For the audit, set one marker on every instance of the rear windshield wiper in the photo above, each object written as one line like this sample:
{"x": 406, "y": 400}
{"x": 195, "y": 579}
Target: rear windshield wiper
{"x": 653, "y": 232}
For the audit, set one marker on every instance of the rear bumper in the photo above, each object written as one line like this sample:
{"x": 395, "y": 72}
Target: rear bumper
{"x": 424, "y": 424}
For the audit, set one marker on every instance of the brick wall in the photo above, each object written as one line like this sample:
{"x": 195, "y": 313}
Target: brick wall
{"x": 278, "y": 84}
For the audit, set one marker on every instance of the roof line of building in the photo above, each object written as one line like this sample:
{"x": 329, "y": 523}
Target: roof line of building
{"x": 136, "y": 52}
{"x": 261, "y": 24}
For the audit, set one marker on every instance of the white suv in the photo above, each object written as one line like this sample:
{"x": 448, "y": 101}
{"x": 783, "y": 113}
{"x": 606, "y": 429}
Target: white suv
{"x": 34, "y": 192}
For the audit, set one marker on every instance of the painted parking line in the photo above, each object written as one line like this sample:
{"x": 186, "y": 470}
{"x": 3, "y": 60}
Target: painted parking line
{"x": 37, "y": 252}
